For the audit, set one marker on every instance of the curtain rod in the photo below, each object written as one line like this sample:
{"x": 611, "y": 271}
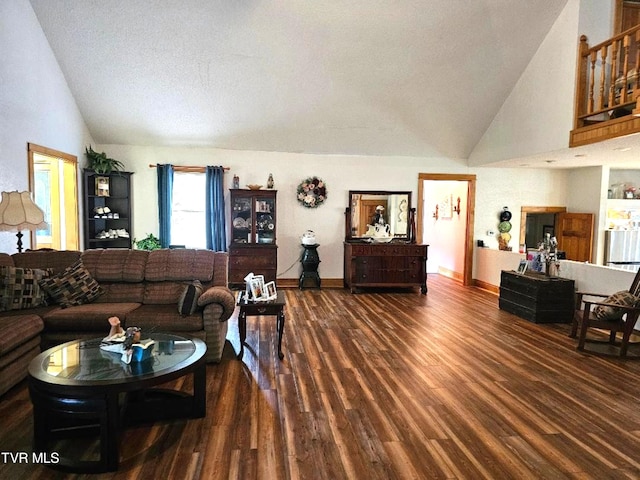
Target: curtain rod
{"x": 189, "y": 168}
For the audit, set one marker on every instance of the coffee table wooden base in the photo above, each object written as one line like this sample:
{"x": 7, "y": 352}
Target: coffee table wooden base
{"x": 70, "y": 408}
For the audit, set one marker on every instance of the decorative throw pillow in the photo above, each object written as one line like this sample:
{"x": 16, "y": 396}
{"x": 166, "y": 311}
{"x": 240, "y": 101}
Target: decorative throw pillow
{"x": 73, "y": 286}
{"x": 623, "y": 298}
{"x": 19, "y": 288}
{"x": 188, "y": 302}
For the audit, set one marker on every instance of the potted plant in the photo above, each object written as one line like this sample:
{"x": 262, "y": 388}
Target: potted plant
{"x": 100, "y": 163}
{"x": 150, "y": 242}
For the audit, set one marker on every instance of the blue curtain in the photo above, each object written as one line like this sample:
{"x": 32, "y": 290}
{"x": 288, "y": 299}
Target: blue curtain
{"x": 214, "y": 211}
{"x": 165, "y": 197}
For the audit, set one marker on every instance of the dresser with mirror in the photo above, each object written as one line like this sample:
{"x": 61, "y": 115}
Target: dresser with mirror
{"x": 380, "y": 248}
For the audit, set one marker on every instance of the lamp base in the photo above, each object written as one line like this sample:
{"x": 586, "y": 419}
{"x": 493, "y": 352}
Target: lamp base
{"x": 19, "y": 235}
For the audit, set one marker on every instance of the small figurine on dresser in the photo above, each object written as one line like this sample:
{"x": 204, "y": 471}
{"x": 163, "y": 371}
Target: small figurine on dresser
{"x": 270, "y": 181}
{"x": 378, "y": 217}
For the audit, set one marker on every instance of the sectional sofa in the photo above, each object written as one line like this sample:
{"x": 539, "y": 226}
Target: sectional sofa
{"x": 50, "y": 297}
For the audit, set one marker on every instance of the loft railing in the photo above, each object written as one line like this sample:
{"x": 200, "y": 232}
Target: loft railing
{"x": 607, "y": 78}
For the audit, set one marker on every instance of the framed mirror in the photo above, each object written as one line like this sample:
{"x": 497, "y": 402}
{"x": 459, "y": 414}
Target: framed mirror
{"x": 370, "y": 207}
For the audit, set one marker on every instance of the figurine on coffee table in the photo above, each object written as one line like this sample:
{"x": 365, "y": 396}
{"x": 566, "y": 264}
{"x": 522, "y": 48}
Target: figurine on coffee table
{"x": 120, "y": 340}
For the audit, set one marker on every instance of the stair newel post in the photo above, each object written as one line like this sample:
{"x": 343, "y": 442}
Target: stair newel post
{"x": 581, "y": 82}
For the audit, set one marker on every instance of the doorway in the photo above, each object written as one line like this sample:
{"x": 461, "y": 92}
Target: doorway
{"x": 465, "y": 212}
{"x": 53, "y": 183}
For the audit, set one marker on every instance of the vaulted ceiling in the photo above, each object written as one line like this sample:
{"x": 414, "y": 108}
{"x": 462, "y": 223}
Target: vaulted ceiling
{"x": 370, "y": 77}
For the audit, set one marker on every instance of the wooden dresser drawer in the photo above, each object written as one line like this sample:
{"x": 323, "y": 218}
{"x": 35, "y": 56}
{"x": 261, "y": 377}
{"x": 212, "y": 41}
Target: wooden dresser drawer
{"x": 385, "y": 265}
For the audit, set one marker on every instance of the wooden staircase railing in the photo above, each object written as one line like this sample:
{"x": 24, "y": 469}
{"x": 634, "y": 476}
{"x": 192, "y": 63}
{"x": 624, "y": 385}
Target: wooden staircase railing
{"x": 607, "y": 86}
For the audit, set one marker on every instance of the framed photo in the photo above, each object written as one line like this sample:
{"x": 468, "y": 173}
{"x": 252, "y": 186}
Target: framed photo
{"x": 446, "y": 207}
{"x": 522, "y": 267}
{"x": 270, "y": 291}
{"x": 102, "y": 186}
{"x": 256, "y": 284}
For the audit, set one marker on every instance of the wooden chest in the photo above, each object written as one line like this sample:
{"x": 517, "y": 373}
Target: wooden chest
{"x": 536, "y": 297}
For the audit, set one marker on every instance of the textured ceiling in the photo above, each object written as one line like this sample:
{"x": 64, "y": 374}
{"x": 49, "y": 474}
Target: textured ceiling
{"x": 366, "y": 77}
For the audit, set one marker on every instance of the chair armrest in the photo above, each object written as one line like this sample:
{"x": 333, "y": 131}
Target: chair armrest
{"x": 222, "y": 296}
{"x": 626, "y": 308}
{"x": 580, "y": 297}
{"x": 589, "y": 294}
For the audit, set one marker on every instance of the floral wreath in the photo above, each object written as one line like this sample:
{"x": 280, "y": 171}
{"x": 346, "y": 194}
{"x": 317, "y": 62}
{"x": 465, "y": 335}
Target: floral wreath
{"x": 312, "y": 192}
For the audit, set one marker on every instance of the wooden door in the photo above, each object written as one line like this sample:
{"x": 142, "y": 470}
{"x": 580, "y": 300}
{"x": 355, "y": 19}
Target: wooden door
{"x": 574, "y": 232}
{"x": 367, "y": 211}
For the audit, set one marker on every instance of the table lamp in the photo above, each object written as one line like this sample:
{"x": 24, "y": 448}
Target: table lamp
{"x": 18, "y": 212}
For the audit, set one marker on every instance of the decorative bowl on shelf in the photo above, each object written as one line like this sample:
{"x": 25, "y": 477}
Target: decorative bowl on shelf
{"x": 254, "y": 187}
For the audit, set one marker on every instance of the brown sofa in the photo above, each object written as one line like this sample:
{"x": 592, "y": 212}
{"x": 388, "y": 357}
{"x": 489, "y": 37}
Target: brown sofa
{"x": 141, "y": 288}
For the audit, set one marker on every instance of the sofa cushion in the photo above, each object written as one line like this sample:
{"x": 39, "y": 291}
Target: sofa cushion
{"x": 180, "y": 265}
{"x": 116, "y": 264}
{"x": 623, "y": 298}
{"x": 162, "y": 293}
{"x": 14, "y": 366}
{"x": 6, "y": 260}
{"x": 57, "y": 260}
{"x": 18, "y": 329}
{"x": 121, "y": 292}
{"x": 91, "y": 317}
{"x": 19, "y": 287}
{"x": 188, "y": 301}
{"x": 72, "y": 286}
{"x": 164, "y": 318}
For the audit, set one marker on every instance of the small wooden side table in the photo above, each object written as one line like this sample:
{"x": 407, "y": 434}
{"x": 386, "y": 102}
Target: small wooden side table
{"x": 250, "y": 308}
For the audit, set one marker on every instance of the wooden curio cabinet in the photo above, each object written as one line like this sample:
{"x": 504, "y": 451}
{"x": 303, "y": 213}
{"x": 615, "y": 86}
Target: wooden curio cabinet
{"x": 107, "y": 210}
{"x": 253, "y": 235}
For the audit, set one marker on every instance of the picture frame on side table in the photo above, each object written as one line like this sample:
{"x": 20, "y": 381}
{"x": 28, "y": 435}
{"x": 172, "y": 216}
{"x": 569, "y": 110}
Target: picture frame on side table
{"x": 270, "y": 291}
{"x": 522, "y": 267}
{"x": 257, "y": 287}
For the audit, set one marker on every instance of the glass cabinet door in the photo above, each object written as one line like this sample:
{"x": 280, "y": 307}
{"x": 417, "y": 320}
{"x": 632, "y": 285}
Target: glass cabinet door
{"x": 265, "y": 223}
{"x": 242, "y": 220}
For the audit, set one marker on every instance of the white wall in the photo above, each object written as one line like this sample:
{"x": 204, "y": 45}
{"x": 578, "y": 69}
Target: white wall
{"x": 446, "y": 235}
{"x": 495, "y": 188}
{"x": 35, "y": 102}
{"x": 538, "y": 114}
{"x": 587, "y": 193}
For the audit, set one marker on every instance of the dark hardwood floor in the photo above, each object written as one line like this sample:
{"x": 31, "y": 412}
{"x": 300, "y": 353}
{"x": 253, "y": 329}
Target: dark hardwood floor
{"x": 387, "y": 386}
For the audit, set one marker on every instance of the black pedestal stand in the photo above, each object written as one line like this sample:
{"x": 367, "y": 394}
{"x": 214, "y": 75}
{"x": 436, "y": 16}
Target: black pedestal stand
{"x": 310, "y": 261}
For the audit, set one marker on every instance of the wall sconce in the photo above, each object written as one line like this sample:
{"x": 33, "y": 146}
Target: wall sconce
{"x": 457, "y": 208}
{"x": 435, "y": 214}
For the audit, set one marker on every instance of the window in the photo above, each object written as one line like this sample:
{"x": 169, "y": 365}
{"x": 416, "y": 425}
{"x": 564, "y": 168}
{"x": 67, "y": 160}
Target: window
{"x": 188, "y": 221}
{"x": 53, "y": 182}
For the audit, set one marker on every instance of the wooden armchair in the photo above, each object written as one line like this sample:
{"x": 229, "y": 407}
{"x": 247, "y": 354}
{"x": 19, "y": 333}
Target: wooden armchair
{"x": 616, "y": 314}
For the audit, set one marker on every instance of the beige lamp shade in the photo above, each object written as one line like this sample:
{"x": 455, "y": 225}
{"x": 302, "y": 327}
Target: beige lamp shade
{"x": 19, "y": 212}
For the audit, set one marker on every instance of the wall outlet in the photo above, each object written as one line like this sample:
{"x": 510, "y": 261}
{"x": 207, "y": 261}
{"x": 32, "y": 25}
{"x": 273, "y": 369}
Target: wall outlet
{"x": 490, "y": 233}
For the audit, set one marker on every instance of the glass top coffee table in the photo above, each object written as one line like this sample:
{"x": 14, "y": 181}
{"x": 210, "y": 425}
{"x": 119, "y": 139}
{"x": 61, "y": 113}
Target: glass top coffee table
{"x": 77, "y": 385}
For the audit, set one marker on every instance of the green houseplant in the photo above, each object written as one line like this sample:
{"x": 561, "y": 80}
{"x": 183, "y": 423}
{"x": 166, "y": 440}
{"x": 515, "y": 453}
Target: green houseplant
{"x": 150, "y": 242}
{"x": 100, "y": 163}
